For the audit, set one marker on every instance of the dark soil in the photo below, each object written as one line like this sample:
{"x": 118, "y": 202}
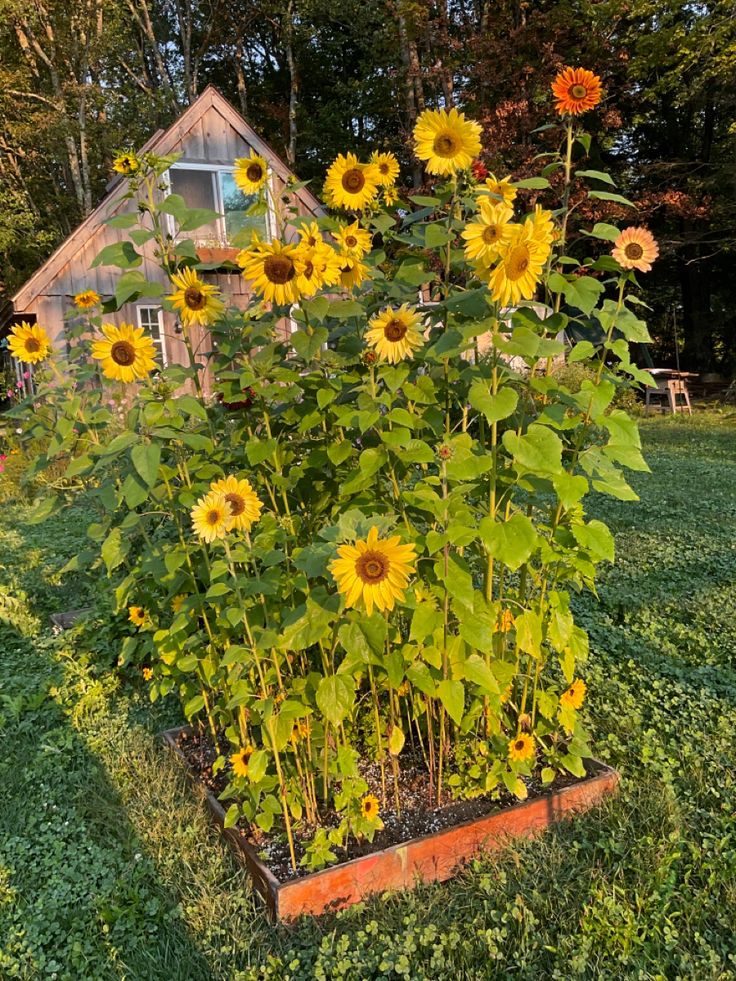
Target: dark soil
{"x": 419, "y": 815}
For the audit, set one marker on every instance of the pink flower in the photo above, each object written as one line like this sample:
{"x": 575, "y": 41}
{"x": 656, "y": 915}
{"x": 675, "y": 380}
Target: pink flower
{"x": 26, "y": 374}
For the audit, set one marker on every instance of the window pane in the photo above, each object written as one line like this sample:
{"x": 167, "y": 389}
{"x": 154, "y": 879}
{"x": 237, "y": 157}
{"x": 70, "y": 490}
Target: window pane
{"x": 235, "y": 204}
{"x": 149, "y": 318}
{"x": 197, "y": 189}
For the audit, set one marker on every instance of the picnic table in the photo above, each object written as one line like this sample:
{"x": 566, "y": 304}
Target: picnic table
{"x": 671, "y": 391}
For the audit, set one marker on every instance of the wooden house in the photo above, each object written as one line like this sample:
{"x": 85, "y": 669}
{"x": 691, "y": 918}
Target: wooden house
{"x": 209, "y": 136}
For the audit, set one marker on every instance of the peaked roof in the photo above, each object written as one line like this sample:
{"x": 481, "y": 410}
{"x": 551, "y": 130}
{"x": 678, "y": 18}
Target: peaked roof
{"x": 162, "y": 142}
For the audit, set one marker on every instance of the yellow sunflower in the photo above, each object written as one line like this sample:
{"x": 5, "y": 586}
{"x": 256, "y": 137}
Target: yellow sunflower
{"x": 574, "y": 696}
{"x": 353, "y": 240}
{"x": 126, "y": 353}
{"x": 484, "y": 238}
{"x": 87, "y": 299}
{"x": 499, "y": 188}
{"x": 387, "y": 166}
{"x": 310, "y": 235}
{"x": 350, "y": 184}
{"x": 29, "y": 343}
{"x": 375, "y": 570}
{"x": 352, "y": 272}
{"x": 137, "y": 615}
{"x": 212, "y": 516}
{"x": 369, "y": 807}
{"x": 576, "y": 90}
{"x": 505, "y": 621}
{"x": 245, "y": 508}
{"x": 394, "y": 334}
{"x": 390, "y": 196}
{"x": 126, "y": 164}
{"x": 147, "y": 674}
{"x": 240, "y": 761}
{"x": 635, "y": 248}
{"x": 446, "y": 140}
{"x": 542, "y": 225}
{"x": 251, "y": 173}
{"x": 521, "y": 748}
{"x": 195, "y": 301}
{"x": 274, "y": 269}
{"x": 520, "y": 267}
{"x": 177, "y": 602}
{"x": 320, "y": 266}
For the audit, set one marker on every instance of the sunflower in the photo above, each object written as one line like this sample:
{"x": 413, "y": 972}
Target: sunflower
{"x": 500, "y": 188}
{"x": 387, "y": 166}
{"x": 137, "y": 615}
{"x": 350, "y": 184}
{"x": 576, "y": 90}
{"x": 299, "y": 731}
{"x": 505, "y": 621}
{"x": 574, "y": 696}
{"x": 177, "y": 602}
{"x": 87, "y": 299}
{"x": 320, "y": 266}
{"x": 353, "y": 240}
{"x": 126, "y": 164}
{"x": 273, "y": 268}
{"x": 521, "y": 748}
{"x": 240, "y": 761}
{"x": 485, "y": 237}
{"x": 446, "y": 140}
{"x": 251, "y": 173}
{"x": 394, "y": 333}
{"x": 147, "y": 674}
{"x": 29, "y": 343}
{"x": 375, "y": 570}
{"x": 543, "y": 227}
{"x": 245, "y": 508}
{"x": 369, "y": 807}
{"x": 195, "y": 301}
{"x": 212, "y": 516}
{"x": 522, "y": 260}
{"x": 390, "y": 196}
{"x": 635, "y": 248}
{"x": 126, "y": 353}
{"x": 310, "y": 235}
{"x": 352, "y": 272}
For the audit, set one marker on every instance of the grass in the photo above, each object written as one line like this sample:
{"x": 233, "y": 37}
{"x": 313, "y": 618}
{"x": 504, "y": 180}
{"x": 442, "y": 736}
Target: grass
{"x": 109, "y": 869}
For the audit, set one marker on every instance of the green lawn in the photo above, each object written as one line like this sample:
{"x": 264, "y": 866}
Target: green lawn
{"x": 109, "y": 869}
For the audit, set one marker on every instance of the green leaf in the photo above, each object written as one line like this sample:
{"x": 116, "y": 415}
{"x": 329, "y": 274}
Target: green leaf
{"x": 511, "y": 542}
{"x": 452, "y": 696}
{"x": 335, "y": 697}
{"x": 424, "y": 622}
{"x": 608, "y": 196}
{"x": 424, "y": 200}
{"x": 596, "y": 175}
{"x": 396, "y": 741}
{"x": 529, "y": 633}
{"x": 608, "y": 233}
{"x": 231, "y": 816}
{"x": 570, "y": 489}
{"x": 539, "y": 450}
{"x": 436, "y": 235}
{"x": 193, "y": 706}
{"x": 581, "y": 352}
{"x": 121, "y": 254}
{"x": 532, "y": 183}
{"x": 477, "y": 671}
{"x": 112, "y": 551}
{"x": 146, "y": 458}
{"x": 128, "y": 219}
{"x": 596, "y": 537}
{"x": 494, "y": 407}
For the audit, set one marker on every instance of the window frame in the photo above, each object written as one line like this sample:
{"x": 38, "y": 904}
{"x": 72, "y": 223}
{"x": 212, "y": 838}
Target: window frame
{"x": 215, "y": 170}
{"x": 160, "y": 344}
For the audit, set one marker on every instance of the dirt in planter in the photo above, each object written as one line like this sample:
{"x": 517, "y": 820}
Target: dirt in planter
{"x": 419, "y": 815}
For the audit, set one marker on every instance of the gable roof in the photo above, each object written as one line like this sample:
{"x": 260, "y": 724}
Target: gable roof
{"x": 161, "y": 143}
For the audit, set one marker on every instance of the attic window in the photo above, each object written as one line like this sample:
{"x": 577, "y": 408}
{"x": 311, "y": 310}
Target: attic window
{"x": 214, "y": 188}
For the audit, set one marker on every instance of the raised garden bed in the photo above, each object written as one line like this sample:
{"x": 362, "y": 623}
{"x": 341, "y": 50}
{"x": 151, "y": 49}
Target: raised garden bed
{"x": 430, "y": 857}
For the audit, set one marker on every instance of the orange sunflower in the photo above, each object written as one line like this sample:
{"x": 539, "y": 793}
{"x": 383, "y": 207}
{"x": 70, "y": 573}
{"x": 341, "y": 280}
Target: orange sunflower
{"x": 635, "y": 248}
{"x": 577, "y": 90}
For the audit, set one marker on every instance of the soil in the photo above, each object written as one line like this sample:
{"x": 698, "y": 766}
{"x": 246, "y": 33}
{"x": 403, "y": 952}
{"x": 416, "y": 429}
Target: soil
{"x": 419, "y": 815}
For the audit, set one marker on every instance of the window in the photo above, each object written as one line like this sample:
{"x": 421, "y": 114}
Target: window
{"x": 151, "y": 319}
{"x": 215, "y": 188}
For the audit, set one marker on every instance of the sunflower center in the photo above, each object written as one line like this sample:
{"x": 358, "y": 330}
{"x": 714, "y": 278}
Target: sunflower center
{"x": 518, "y": 262}
{"x": 308, "y": 269}
{"x": 633, "y": 251}
{"x": 213, "y": 517}
{"x": 279, "y": 269}
{"x": 383, "y": 168}
{"x": 395, "y": 330}
{"x": 490, "y": 234}
{"x": 372, "y": 567}
{"x": 194, "y": 298}
{"x": 254, "y": 173}
{"x": 519, "y": 744}
{"x": 445, "y": 145}
{"x": 32, "y": 345}
{"x": 351, "y": 241}
{"x": 123, "y": 353}
{"x": 237, "y": 504}
{"x": 578, "y": 91}
{"x": 353, "y": 180}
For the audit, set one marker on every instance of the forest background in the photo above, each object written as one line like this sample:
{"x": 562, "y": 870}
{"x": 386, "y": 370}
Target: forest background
{"x": 84, "y": 79}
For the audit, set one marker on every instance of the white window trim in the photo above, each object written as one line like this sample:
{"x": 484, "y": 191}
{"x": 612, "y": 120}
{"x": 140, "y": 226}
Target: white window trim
{"x": 140, "y": 307}
{"x": 215, "y": 170}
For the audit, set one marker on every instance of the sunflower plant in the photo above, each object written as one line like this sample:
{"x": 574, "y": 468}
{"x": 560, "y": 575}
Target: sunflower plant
{"x": 359, "y": 555}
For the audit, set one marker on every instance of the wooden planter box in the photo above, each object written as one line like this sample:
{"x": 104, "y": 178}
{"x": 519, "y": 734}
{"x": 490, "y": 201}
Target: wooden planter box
{"x": 430, "y": 858}
{"x": 218, "y": 254}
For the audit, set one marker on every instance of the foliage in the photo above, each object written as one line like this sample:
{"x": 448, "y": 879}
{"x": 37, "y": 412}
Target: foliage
{"x": 136, "y": 884}
{"x": 375, "y": 454}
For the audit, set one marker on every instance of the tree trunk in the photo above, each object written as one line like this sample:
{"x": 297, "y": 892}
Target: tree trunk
{"x": 293, "y": 84}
